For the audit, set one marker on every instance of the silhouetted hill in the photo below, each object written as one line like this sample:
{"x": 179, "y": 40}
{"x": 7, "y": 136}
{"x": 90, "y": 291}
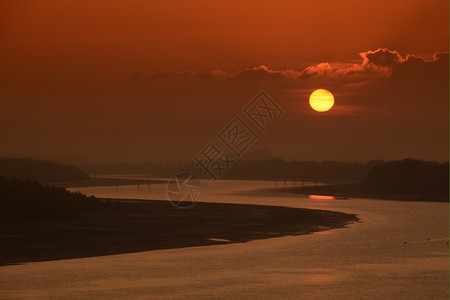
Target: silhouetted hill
{"x": 39, "y": 170}
{"x": 409, "y": 176}
{"x": 156, "y": 169}
{"x": 24, "y": 200}
{"x": 278, "y": 169}
{"x": 408, "y": 179}
{"x": 270, "y": 169}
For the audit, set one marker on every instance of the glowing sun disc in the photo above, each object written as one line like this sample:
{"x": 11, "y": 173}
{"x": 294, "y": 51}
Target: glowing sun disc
{"x": 321, "y": 100}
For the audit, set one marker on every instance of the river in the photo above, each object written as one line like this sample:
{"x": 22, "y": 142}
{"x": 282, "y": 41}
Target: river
{"x": 398, "y": 250}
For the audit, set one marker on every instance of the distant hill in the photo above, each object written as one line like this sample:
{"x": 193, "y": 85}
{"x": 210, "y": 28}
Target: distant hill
{"x": 261, "y": 154}
{"x": 39, "y": 170}
{"x": 30, "y": 200}
{"x": 408, "y": 179}
{"x": 269, "y": 169}
{"x": 409, "y": 176}
{"x": 278, "y": 169}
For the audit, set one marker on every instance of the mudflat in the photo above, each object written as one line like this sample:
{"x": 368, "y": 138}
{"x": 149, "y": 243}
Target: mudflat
{"x": 124, "y": 226}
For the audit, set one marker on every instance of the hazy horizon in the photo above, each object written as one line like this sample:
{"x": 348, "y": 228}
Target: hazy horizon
{"x": 78, "y": 160}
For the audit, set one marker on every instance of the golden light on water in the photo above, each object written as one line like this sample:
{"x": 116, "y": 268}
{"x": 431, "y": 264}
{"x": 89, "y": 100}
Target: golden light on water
{"x": 321, "y": 197}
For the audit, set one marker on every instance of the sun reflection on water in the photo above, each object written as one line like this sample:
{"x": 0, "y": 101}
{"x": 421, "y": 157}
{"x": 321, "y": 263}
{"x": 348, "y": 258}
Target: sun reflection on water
{"x": 321, "y": 197}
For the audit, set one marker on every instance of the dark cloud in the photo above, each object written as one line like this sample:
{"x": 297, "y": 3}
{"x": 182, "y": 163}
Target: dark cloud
{"x": 435, "y": 70}
{"x": 380, "y": 63}
{"x": 260, "y": 73}
{"x": 381, "y": 58}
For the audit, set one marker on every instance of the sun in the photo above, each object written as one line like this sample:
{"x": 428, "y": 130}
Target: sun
{"x": 321, "y": 100}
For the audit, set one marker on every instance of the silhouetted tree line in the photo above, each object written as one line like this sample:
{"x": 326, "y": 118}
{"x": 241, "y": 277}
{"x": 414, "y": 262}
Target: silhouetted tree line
{"x": 269, "y": 169}
{"x": 278, "y": 169}
{"x": 156, "y": 169}
{"x": 409, "y": 176}
{"x": 39, "y": 170}
{"x": 31, "y": 200}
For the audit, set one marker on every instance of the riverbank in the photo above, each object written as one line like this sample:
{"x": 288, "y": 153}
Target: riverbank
{"x": 358, "y": 191}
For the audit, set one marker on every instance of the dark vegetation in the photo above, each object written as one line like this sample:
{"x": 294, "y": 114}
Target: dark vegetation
{"x": 30, "y": 200}
{"x": 409, "y": 176}
{"x": 278, "y": 169}
{"x": 133, "y": 226}
{"x": 39, "y": 170}
{"x": 408, "y": 179}
{"x": 269, "y": 169}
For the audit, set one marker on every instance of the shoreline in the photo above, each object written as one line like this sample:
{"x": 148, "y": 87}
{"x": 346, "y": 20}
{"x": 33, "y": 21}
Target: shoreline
{"x": 127, "y": 226}
{"x": 354, "y": 191}
{"x": 104, "y": 181}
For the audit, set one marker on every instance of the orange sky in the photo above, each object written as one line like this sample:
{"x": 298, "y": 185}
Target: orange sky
{"x": 134, "y": 80}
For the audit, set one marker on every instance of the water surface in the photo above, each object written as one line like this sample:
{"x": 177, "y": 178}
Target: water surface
{"x": 399, "y": 250}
